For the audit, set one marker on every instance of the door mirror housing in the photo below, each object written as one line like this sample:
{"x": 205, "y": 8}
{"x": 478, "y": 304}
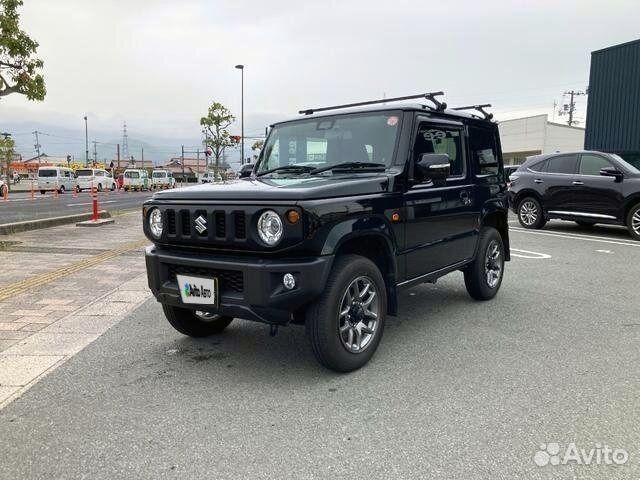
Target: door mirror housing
{"x": 434, "y": 166}
{"x": 612, "y": 172}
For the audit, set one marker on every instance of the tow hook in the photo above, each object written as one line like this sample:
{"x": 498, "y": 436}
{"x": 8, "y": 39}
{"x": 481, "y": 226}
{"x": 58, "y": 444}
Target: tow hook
{"x": 273, "y": 330}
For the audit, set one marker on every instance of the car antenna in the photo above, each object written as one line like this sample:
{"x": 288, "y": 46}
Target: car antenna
{"x": 479, "y": 108}
{"x": 431, "y": 96}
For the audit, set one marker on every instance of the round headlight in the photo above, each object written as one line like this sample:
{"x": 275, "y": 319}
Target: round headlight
{"x": 155, "y": 223}
{"x": 270, "y": 227}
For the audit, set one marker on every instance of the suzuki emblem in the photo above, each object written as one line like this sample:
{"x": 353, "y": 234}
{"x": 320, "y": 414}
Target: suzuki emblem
{"x": 201, "y": 224}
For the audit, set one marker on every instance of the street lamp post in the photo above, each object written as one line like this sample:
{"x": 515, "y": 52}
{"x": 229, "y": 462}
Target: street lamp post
{"x": 86, "y": 141}
{"x": 241, "y": 68}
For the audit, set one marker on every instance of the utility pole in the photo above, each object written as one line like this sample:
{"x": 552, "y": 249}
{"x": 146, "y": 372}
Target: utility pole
{"x": 142, "y": 156}
{"x": 95, "y": 152}
{"x": 197, "y": 163}
{"x": 37, "y": 145}
{"x": 86, "y": 142}
{"x": 118, "y": 156}
{"x": 125, "y": 141}
{"x": 241, "y": 68}
{"x": 9, "y": 153}
{"x": 571, "y": 107}
{"x": 182, "y": 162}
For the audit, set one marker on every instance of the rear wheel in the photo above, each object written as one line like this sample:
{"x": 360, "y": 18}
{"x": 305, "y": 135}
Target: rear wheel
{"x": 633, "y": 222}
{"x": 484, "y": 276}
{"x": 194, "y": 323}
{"x": 346, "y": 323}
{"x": 99, "y": 187}
{"x": 61, "y": 190}
{"x": 530, "y": 214}
{"x": 42, "y": 192}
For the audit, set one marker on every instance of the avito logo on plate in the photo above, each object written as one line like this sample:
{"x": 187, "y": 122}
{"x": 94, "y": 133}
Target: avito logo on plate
{"x": 599, "y": 454}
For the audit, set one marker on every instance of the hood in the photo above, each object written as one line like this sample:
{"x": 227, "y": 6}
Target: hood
{"x": 293, "y": 189}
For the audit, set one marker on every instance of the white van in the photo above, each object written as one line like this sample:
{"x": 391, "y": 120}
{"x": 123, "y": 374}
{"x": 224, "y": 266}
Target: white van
{"x": 135, "y": 179}
{"x": 162, "y": 179}
{"x": 60, "y": 179}
{"x": 89, "y": 177}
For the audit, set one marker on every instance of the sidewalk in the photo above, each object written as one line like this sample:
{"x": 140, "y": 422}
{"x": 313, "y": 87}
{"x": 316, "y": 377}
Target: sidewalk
{"x": 60, "y": 289}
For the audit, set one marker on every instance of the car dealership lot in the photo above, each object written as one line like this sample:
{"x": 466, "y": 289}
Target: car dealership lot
{"x": 458, "y": 389}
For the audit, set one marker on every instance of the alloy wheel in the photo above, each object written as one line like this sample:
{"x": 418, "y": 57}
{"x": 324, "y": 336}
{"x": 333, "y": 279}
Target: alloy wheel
{"x": 493, "y": 264}
{"x": 635, "y": 222}
{"x": 528, "y": 213}
{"x": 358, "y": 315}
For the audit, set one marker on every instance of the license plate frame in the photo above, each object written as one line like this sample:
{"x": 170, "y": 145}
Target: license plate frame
{"x": 196, "y": 290}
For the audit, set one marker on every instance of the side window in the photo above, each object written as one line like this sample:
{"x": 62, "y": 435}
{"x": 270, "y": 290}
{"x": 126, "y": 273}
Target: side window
{"x": 591, "y": 164}
{"x": 484, "y": 150}
{"x": 563, "y": 164}
{"x": 540, "y": 166}
{"x": 441, "y": 139}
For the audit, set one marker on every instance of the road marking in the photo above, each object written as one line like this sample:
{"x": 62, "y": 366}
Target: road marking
{"x": 573, "y": 236}
{"x": 89, "y": 203}
{"x": 609, "y": 252}
{"x": 7, "y": 291}
{"x": 528, "y": 254}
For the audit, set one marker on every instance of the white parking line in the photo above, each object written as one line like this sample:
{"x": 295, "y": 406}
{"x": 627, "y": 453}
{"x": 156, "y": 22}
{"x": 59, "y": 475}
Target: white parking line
{"x": 89, "y": 203}
{"x": 573, "y": 236}
{"x": 528, "y": 254}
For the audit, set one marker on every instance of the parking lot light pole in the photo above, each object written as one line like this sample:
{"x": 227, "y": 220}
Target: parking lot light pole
{"x": 241, "y": 68}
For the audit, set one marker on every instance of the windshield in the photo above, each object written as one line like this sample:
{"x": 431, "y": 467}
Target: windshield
{"x": 47, "y": 173}
{"x": 159, "y": 174}
{"x": 326, "y": 141}
{"x": 84, "y": 173}
{"x": 630, "y": 162}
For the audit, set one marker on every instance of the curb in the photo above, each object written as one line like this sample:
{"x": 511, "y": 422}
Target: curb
{"x": 9, "y": 228}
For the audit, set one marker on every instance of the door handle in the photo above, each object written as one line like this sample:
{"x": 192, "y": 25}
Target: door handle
{"x": 465, "y": 198}
{"x": 537, "y": 180}
{"x": 576, "y": 182}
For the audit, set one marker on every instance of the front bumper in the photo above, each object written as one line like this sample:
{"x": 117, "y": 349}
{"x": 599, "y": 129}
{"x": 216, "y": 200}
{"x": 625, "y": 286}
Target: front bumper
{"x": 249, "y": 288}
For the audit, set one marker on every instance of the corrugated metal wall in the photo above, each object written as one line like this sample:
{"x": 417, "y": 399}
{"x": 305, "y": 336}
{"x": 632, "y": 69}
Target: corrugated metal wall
{"x": 613, "y": 111}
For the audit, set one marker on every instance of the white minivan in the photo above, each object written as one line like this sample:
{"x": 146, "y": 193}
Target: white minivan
{"x": 162, "y": 179}
{"x": 135, "y": 179}
{"x": 89, "y": 177}
{"x": 60, "y": 179}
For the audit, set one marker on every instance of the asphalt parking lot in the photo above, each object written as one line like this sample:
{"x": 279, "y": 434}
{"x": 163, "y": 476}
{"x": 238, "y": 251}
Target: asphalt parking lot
{"x": 457, "y": 390}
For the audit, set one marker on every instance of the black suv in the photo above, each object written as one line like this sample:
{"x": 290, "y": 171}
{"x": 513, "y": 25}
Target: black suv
{"x": 342, "y": 210}
{"x": 585, "y": 187}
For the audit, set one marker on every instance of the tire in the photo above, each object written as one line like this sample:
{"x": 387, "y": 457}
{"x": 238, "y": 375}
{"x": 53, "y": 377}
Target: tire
{"x": 42, "y": 192}
{"x": 189, "y": 323}
{"x": 113, "y": 187}
{"x": 633, "y": 222}
{"x": 344, "y": 351}
{"x": 530, "y": 213}
{"x": 99, "y": 187}
{"x": 584, "y": 224}
{"x": 79, "y": 190}
{"x": 61, "y": 189}
{"x": 489, "y": 258}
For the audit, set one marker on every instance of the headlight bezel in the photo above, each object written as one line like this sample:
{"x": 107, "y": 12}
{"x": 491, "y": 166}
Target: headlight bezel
{"x": 155, "y": 218}
{"x": 269, "y": 238}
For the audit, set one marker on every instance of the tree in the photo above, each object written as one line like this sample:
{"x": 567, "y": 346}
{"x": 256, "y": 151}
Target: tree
{"x": 256, "y": 147}
{"x": 215, "y": 125}
{"x": 19, "y": 68}
{"x": 6, "y": 154}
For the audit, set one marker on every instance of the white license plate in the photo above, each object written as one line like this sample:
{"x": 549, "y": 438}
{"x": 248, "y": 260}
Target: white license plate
{"x": 202, "y": 291}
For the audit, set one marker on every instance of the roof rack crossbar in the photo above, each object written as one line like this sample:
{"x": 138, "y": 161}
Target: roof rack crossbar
{"x": 479, "y": 108}
{"x": 431, "y": 96}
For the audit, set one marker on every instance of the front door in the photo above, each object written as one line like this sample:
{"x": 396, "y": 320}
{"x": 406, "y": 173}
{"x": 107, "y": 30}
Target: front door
{"x": 595, "y": 195}
{"x": 440, "y": 219}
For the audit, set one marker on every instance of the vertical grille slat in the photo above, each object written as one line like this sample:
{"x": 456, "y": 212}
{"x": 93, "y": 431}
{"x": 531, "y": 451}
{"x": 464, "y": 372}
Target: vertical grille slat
{"x": 221, "y": 224}
{"x": 185, "y": 216}
{"x": 240, "y": 225}
{"x": 171, "y": 222}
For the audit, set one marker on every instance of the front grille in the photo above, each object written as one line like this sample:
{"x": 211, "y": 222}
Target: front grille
{"x": 240, "y": 224}
{"x": 228, "y": 280}
{"x": 221, "y": 224}
{"x": 171, "y": 222}
{"x": 186, "y": 222}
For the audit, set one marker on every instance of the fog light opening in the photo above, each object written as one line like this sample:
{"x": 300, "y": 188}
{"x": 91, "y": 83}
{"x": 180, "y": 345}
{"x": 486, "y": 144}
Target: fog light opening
{"x": 289, "y": 281}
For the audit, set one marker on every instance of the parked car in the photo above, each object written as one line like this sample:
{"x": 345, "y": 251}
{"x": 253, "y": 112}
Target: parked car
{"x": 3, "y": 188}
{"x": 60, "y": 179}
{"x": 135, "y": 179}
{"x": 346, "y": 209}
{"x": 585, "y": 187}
{"x": 162, "y": 179}
{"x": 245, "y": 170}
{"x": 88, "y": 178}
{"x": 208, "y": 177}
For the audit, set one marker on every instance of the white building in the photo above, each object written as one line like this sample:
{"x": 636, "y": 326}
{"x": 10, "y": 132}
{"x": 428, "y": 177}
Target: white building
{"x": 523, "y": 137}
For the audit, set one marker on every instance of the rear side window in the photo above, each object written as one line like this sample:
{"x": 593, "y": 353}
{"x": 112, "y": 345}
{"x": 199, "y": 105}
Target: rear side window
{"x": 591, "y": 164}
{"x": 563, "y": 164}
{"x": 539, "y": 166}
{"x": 484, "y": 150}
{"x": 47, "y": 173}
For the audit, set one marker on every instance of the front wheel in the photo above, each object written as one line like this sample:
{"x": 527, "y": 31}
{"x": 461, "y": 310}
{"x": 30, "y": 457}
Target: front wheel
{"x": 194, "y": 323}
{"x": 345, "y": 324}
{"x": 530, "y": 214}
{"x": 633, "y": 222}
{"x": 61, "y": 190}
{"x": 484, "y": 276}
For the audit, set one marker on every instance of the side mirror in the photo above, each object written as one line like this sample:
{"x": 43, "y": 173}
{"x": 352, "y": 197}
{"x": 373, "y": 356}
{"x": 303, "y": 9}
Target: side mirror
{"x": 612, "y": 172}
{"x": 246, "y": 170}
{"x": 434, "y": 166}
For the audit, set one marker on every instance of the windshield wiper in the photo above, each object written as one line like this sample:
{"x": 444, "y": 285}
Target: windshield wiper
{"x": 370, "y": 166}
{"x": 293, "y": 168}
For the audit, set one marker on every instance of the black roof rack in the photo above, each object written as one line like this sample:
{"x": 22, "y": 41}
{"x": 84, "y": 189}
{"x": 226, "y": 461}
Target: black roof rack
{"x": 479, "y": 108}
{"x": 431, "y": 96}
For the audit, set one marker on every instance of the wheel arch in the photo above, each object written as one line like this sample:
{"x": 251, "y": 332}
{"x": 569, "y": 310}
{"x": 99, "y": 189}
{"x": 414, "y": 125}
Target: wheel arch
{"x": 631, "y": 202}
{"x": 498, "y": 219}
{"x": 528, "y": 192}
